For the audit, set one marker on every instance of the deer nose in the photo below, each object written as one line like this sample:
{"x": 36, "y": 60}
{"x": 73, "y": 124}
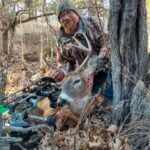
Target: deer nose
{"x": 61, "y": 102}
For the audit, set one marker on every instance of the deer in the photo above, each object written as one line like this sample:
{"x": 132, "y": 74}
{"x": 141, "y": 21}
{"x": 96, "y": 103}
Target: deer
{"x": 75, "y": 93}
{"x": 76, "y": 98}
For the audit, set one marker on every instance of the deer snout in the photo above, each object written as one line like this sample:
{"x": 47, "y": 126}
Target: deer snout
{"x": 61, "y": 102}
{"x": 64, "y": 99}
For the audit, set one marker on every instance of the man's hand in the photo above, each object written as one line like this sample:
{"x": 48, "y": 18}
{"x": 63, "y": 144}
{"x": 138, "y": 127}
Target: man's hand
{"x": 58, "y": 75}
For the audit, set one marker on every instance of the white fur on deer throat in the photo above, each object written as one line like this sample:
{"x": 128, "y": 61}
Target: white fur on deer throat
{"x": 75, "y": 105}
{"x": 78, "y": 105}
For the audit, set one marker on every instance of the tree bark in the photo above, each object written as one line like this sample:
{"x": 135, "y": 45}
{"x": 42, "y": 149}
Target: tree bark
{"x": 129, "y": 57}
{"x": 5, "y": 41}
{"x": 130, "y": 64}
{"x": 5, "y": 30}
{"x": 90, "y": 7}
{"x": 128, "y": 37}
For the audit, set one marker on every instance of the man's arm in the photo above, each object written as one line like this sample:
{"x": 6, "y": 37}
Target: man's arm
{"x": 100, "y": 38}
{"x": 60, "y": 61}
{"x": 63, "y": 66}
{"x": 59, "y": 73}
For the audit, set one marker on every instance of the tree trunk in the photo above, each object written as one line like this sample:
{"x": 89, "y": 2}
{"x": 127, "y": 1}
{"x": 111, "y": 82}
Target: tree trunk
{"x": 5, "y": 41}
{"x": 129, "y": 49}
{"x": 90, "y": 7}
{"x": 5, "y": 30}
{"x": 128, "y": 38}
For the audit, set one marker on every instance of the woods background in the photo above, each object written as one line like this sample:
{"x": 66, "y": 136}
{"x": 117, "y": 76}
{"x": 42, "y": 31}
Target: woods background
{"x": 28, "y": 35}
{"x": 29, "y": 28}
{"x": 29, "y": 31}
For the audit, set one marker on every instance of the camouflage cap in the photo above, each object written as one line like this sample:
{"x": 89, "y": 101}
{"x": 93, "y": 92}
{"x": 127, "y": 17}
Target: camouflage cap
{"x": 66, "y": 5}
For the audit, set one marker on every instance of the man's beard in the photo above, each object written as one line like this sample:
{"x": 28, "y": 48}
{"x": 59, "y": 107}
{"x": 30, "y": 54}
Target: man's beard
{"x": 70, "y": 27}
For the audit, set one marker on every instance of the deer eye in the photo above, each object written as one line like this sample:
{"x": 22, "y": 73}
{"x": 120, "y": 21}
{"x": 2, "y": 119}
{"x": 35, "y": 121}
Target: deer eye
{"x": 76, "y": 82}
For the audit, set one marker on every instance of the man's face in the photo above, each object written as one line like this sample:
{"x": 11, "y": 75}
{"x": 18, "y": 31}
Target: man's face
{"x": 69, "y": 19}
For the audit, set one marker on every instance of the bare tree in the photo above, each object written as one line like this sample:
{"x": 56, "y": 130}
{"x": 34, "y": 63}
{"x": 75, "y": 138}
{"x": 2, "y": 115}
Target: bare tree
{"x": 10, "y": 12}
{"x": 128, "y": 37}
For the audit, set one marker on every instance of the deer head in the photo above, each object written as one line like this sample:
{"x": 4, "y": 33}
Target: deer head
{"x": 75, "y": 93}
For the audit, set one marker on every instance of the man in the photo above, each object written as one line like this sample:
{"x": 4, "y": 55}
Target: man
{"x": 67, "y": 57}
{"x": 72, "y": 23}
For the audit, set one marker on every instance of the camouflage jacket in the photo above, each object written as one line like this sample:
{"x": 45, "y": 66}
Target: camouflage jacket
{"x": 68, "y": 57}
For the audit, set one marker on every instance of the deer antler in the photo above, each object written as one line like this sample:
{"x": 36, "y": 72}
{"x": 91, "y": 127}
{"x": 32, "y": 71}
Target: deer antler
{"x": 83, "y": 48}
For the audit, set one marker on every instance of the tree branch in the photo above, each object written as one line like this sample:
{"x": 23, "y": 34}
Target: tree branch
{"x": 32, "y": 18}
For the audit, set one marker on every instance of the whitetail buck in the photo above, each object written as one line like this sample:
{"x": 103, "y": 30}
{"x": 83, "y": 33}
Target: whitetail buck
{"x": 75, "y": 94}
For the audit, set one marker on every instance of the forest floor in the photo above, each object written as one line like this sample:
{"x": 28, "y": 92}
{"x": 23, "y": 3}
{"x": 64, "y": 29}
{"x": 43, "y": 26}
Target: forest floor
{"x": 91, "y": 135}
{"x": 19, "y": 75}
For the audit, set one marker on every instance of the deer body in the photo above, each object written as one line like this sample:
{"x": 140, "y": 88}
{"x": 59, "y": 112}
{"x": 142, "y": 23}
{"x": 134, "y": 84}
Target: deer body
{"x": 75, "y": 92}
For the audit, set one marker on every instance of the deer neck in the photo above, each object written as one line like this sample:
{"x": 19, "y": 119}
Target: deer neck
{"x": 78, "y": 105}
